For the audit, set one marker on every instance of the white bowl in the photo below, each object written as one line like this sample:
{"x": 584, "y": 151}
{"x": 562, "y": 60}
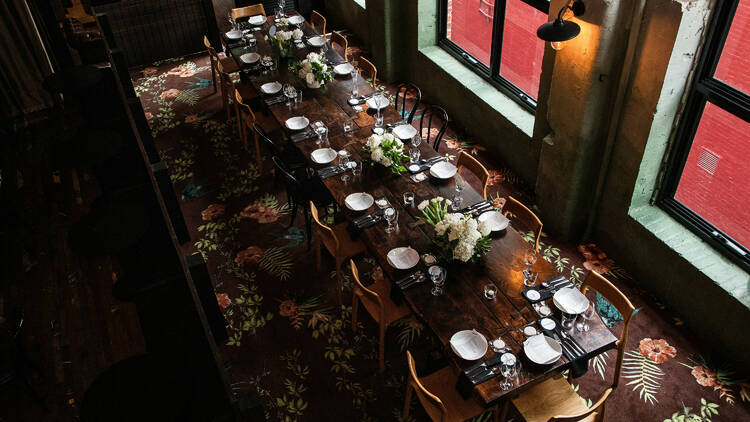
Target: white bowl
{"x": 270, "y": 87}
{"x": 234, "y": 34}
{"x": 443, "y": 170}
{"x": 403, "y": 258}
{"x": 343, "y": 69}
{"x": 404, "y": 132}
{"x": 250, "y": 58}
{"x": 542, "y": 350}
{"x": 295, "y": 20}
{"x": 570, "y": 300}
{"x": 296, "y": 123}
{"x": 469, "y": 344}
{"x": 359, "y": 201}
{"x": 323, "y": 155}
{"x": 257, "y": 20}
{"x": 497, "y": 220}
{"x": 317, "y": 41}
{"x": 374, "y": 104}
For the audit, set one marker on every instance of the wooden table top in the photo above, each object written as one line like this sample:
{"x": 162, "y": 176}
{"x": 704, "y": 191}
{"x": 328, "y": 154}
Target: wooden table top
{"x": 463, "y": 306}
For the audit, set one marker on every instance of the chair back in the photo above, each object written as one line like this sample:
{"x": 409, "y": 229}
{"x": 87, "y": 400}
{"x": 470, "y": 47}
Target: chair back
{"x": 596, "y": 409}
{"x": 614, "y": 296}
{"x": 324, "y": 231}
{"x": 247, "y": 11}
{"x": 518, "y": 210}
{"x": 318, "y": 22}
{"x": 474, "y": 166}
{"x": 211, "y": 50}
{"x": 431, "y": 403}
{"x": 367, "y": 69}
{"x": 372, "y": 301}
{"x": 224, "y": 78}
{"x": 245, "y": 111}
{"x": 426, "y": 122}
{"x": 340, "y": 44}
{"x": 291, "y": 183}
{"x": 263, "y": 136}
{"x": 402, "y": 92}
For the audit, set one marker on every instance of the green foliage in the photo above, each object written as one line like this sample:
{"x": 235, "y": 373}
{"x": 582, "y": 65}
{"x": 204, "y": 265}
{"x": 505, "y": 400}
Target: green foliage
{"x": 277, "y": 262}
{"x": 644, "y": 375}
{"x": 188, "y": 96}
{"x": 599, "y": 363}
{"x": 707, "y": 411}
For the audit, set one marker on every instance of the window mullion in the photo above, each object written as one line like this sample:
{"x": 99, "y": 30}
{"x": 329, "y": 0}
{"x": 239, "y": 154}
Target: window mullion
{"x": 498, "y": 21}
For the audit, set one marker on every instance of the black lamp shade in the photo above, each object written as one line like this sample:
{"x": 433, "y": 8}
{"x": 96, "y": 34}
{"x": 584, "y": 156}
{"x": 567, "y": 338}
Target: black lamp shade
{"x": 558, "y": 30}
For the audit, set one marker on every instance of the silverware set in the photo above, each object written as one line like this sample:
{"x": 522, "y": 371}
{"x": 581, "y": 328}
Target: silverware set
{"x": 411, "y": 280}
{"x": 368, "y": 220}
{"x": 331, "y": 171}
{"x": 479, "y": 207}
{"x": 302, "y": 136}
{"x": 484, "y": 370}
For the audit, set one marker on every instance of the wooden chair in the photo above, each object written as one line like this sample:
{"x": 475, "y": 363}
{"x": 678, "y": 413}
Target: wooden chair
{"x": 555, "y": 400}
{"x": 246, "y": 121}
{"x": 318, "y": 22}
{"x": 339, "y": 244}
{"x": 340, "y": 44}
{"x": 377, "y": 302}
{"x": 474, "y": 166}
{"x": 367, "y": 69}
{"x": 402, "y": 92}
{"x": 227, "y": 87}
{"x": 514, "y": 208}
{"x": 426, "y": 121}
{"x": 228, "y": 63}
{"x": 247, "y": 11}
{"x": 438, "y": 396}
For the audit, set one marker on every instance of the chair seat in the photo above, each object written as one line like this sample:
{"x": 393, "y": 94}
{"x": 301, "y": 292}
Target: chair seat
{"x": 443, "y": 384}
{"x": 552, "y": 397}
{"x": 348, "y": 246}
{"x": 393, "y": 312}
{"x": 229, "y": 65}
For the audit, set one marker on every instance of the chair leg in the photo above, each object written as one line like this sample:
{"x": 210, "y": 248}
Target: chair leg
{"x": 308, "y": 226}
{"x": 294, "y": 211}
{"x": 257, "y": 152}
{"x": 239, "y": 123}
{"x": 339, "y": 283}
{"x": 213, "y": 74}
{"x": 407, "y": 401}
{"x": 355, "y": 308}
{"x": 504, "y": 413}
{"x": 381, "y": 347}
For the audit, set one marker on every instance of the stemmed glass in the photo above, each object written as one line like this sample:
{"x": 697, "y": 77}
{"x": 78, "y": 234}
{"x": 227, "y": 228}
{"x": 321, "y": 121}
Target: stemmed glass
{"x": 378, "y": 99}
{"x": 344, "y": 159}
{"x": 437, "y": 274}
{"x": 529, "y": 258}
{"x": 355, "y": 87}
{"x": 321, "y": 130}
{"x": 290, "y": 93}
{"x": 230, "y": 18}
{"x": 281, "y": 13}
{"x": 414, "y": 152}
{"x": 507, "y": 369}
{"x": 582, "y": 324}
{"x": 390, "y": 215}
{"x": 457, "y": 198}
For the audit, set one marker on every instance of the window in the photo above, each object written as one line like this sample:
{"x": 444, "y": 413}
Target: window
{"x": 707, "y": 179}
{"x": 497, "y": 38}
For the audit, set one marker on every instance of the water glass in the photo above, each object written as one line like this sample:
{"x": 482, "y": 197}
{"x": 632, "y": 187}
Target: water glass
{"x": 391, "y": 215}
{"x": 498, "y": 345}
{"x": 290, "y": 93}
{"x": 347, "y": 126}
{"x": 298, "y": 98}
{"x": 567, "y": 321}
{"x": 414, "y": 155}
{"x": 382, "y": 203}
{"x": 321, "y": 130}
{"x": 529, "y": 278}
{"x": 529, "y": 258}
{"x": 409, "y": 199}
{"x": 355, "y": 85}
{"x": 416, "y": 140}
{"x": 378, "y": 99}
{"x": 356, "y": 168}
{"x": 582, "y": 323}
{"x": 437, "y": 275}
{"x": 490, "y": 291}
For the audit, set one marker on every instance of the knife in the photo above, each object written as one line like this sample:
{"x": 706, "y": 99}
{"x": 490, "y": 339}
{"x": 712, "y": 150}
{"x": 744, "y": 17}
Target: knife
{"x": 573, "y": 344}
{"x": 565, "y": 350}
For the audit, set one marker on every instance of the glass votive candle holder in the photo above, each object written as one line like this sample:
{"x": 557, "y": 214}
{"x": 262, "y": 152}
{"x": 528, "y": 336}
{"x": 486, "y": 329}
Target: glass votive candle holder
{"x": 409, "y": 199}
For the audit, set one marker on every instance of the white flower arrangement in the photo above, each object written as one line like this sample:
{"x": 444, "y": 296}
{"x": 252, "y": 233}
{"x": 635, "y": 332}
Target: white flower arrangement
{"x": 460, "y": 237}
{"x": 313, "y": 70}
{"x": 284, "y": 36}
{"x": 386, "y": 149}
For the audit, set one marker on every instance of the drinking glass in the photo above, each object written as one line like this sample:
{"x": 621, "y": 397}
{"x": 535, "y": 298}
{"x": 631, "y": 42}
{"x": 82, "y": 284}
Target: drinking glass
{"x": 355, "y": 86}
{"x": 390, "y": 215}
{"x": 490, "y": 291}
{"x": 344, "y": 159}
{"x": 507, "y": 369}
{"x": 378, "y": 99}
{"x": 437, "y": 275}
{"x": 281, "y": 13}
{"x": 459, "y": 185}
{"x": 414, "y": 155}
{"x": 382, "y": 203}
{"x": 289, "y": 92}
{"x": 456, "y": 202}
{"x": 529, "y": 278}
{"x": 267, "y": 63}
{"x": 582, "y": 323}
{"x": 298, "y": 98}
{"x": 231, "y": 19}
{"x": 321, "y": 130}
{"x": 529, "y": 258}
{"x": 416, "y": 140}
{"x": 498, "y": 345}
{"x": 567, "y": 320}
{"x": 356, "y": 168}
{"x": 409, "y": 199}
{"x": 347, "y": 126}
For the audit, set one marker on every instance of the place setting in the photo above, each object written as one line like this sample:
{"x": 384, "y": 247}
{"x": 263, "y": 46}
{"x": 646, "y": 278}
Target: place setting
{"x": 299, "y": 126}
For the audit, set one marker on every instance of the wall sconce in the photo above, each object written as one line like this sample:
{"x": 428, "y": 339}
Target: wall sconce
{"x": 560, "y": 30}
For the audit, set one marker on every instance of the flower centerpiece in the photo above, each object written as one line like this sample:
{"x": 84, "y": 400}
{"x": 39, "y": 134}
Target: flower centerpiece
{"x": 387, "y": 150}
{"x": 460, "y": 237}
{"x": 312, "y": 70}
{"x": 283, "y": 41}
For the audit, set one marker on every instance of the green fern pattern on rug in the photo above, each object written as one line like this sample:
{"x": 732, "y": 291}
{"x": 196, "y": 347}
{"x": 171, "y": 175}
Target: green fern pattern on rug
{"x": 644, "y": 375}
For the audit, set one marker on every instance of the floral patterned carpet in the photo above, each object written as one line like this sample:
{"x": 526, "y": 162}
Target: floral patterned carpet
{"x": 291, "y": 344}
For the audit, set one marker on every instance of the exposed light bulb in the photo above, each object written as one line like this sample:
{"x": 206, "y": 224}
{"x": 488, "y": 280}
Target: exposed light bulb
{"x": 557, "y": 45}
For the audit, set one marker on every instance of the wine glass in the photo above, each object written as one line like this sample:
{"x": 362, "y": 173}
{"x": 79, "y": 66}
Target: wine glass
{"x": 355, "y": 86}
{"x": 529, "y": 258}
{"x": 378, "y": 99}
{"x": 321, "y": 130}
{"x": 356, "y": 168}
{"x": 288, "y": 89}
{"x": 582, "y": 324}
{"x": 437, "y": 274}
{"x": 508, "y": 370}
{"x": 416, "y": 140}
{"x": 230, "y": 18}
{"x": 281, "y": 13}
{"x": 390, "y": 215}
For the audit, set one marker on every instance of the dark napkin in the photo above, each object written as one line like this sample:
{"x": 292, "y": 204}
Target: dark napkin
{"x": 473, "y": 376}
{"x": 424, "y": 165}
{"x": 547, "y": 293}
{"x": 397, "y": 295}
{"x": 356, "y": 226}
{"x": 327, "y": 172}
{"x": 579, "y": 364}
{"x": 297, "y": 137}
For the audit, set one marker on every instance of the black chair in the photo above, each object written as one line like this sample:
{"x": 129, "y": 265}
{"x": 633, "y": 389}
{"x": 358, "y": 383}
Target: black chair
{"x": 291, "y": 157}
{"x": 407, "y": 88}
{"x": 441, "y": 121}
{"x": 300, "y": 192}
{"x": 15, "y": 366}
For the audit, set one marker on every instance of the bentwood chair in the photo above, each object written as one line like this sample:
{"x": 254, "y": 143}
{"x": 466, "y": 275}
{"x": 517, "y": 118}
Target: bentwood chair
{"x": 376, "y": 300}
{"x": 440, "y": 117}
{"x": 291, "y": 157}
{"x": 473, "y": 165}
{"x": 438, "y": 396}
{"x": 227, "y": 63}
{"x": 404, "y": 91}
{"x": 245, "y": 121}
{"x": 247, "y": 11}
{"x": 368, "y": 70}
{"x": 338, "y": 243}
{"x": 513, "y": 208}
{"x": 555, "y": 400}
{"x": 340, "y": 44}
{"x": 318, "y": 22}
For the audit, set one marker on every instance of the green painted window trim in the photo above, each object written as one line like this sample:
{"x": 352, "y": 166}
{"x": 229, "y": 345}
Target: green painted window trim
{"x": 361, "y": 3}
{"x": 462, "y": 75}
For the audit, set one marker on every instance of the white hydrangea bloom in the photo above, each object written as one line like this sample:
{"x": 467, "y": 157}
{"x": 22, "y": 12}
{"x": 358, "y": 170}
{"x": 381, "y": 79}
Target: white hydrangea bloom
{"x": 463, "y": 252}
{"x": 441, "y": 227}
{"x": 297, "y": 34}
{"x": 485, "y": 228}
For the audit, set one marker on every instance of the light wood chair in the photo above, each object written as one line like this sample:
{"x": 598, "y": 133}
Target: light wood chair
{"x": 339, "y": 244}
{"x": 247, "y": 11}
{"x": 438, "y": 396}
{"x": 377, "y": 302}
{"x": 340, "y": 44}
{"x": 474, "y": 166}
{"x": 555, "y": 400}
{"x": 367, "y": 69}
{"x": 318, "y": 22}
{"x": 516, "y": 209}
{"x": 227, "y": 87}
{"x": 246, "y": 122}
{"x": 228, "y": 63}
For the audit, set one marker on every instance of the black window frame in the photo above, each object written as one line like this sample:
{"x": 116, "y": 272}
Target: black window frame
{"x": 703, "y": 89}
{"x": 491, "y": 73}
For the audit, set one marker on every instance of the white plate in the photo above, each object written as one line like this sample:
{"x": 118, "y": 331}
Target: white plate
{"x": 497, "y": 220}
{"x": 414, "y": 167}
{"x": 443, "y": 170}
{"x": 234, "y": 34}
{"x": 542, "y": 350}
{"x": 250, "y": 58}
{"x": 257, "y": 20}
{"x": 317, "y": 41}
{"x": 533, "y": 295}
{"x": 270, "y": 87}
{"x": 343, "y": 69}
{"x": 547, "y": 324}
{"x": 404, "y": 131}
{"x": 570, "y": 300}
{"x": 373, "y": 104}
{"x": 403, "y": 258}
{"x": 296, "y": 123}
{"x": 295, "y": 20}
{"x": 323, "y": 155}
{"x": 359, "y": 201}
{"x": 469, "y": 344}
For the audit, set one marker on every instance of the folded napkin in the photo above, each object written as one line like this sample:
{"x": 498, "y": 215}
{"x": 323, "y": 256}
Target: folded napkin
{"x": 556, "y": 283}
{"x": 356, "y": 226}
{"x": 297, "y": 137}
{"x": 579, "y": 364}
{"x": 423, "y": 165}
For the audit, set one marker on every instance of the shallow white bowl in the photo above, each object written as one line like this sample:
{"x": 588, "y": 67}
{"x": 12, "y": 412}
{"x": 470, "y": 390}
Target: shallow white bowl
{"x": 570, "y": 300}
{"x": 403, "y": 258}
{"x": 404, "y": 132}
{"x": 359, "y": 201}
{"x": 295, "y": 20}
{"x": 250, "y": 58}
{"x": 270, "y": 87}
{"x": 317, "y": 41}
{"x": 296, "y": 123}
{"x": 550, "y": 348}
{"x": 234, "y": 34}
{"x": 257, "y": 20}
{"x": 343, "y": 69}
{"x": 496, "y": 219}
{"x": 469, "y": 344}
{"x": 323, "y": 155}
{"x": 443, "y": 170}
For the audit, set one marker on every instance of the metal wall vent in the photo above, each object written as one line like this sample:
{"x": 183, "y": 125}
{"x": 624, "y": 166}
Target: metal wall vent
{"x": 708, "y": 161}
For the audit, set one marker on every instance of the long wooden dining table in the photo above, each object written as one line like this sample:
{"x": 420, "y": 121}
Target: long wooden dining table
{"x": 463, "y": 305}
